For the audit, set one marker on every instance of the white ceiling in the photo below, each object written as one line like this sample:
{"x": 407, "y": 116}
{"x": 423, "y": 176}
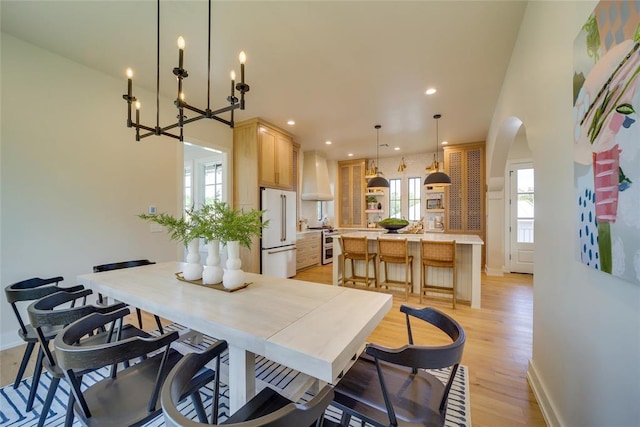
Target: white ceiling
{"x": 336, "y": 68}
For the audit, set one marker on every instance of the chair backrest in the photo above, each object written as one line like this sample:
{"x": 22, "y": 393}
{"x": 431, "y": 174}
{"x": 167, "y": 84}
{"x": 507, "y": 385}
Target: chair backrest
{"x": 43, "y": 316}
{"x": 31, "y": 290}
{"x": 73, "y": 355}
{"x": 393, "y": 248}
{"x": 177, "y": 385}
{"x": 120, "y": 265}
{"x": 426, "y": 357}
{"x": 354, "y": 245}
{"x": 438, "y": 252}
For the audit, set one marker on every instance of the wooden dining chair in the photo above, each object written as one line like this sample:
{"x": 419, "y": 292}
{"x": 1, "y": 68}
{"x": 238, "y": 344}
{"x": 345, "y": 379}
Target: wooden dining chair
{"x": 27, "y": 291}
{"x": 45, "y": 314}
{"x": 130, "y": 396}
{"x": 390, "y": 387}
{"x": 396, "y": 251}
{"x": 435, "y": 254}
{"x": 356, "y": 249}
{"x": 128, "y": 264}
{"x": 267, "y": 408}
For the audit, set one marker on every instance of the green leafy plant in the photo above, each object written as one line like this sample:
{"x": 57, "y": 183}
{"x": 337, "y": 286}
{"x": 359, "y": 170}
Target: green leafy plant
{"x": 181, "y": 229}
{"x": 228, "y": 225}
{"x": 217, "y": 221}
{"x": 372, "y": 199}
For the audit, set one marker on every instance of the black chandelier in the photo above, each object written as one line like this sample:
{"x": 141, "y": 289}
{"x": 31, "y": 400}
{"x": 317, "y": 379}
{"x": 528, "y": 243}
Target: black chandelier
{"x": 181, "y": 74}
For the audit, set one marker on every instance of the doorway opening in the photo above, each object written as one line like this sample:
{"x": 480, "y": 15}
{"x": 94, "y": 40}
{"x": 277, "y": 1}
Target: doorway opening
{"x": 521, "y": 217}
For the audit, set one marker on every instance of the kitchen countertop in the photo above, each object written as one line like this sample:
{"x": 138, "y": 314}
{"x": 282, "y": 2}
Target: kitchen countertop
{"x": 308, "y": 231}
{"x": 463, "y": 239}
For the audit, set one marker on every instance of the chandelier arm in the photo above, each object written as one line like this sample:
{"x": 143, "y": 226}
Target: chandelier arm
{"x": 147, "y": 128}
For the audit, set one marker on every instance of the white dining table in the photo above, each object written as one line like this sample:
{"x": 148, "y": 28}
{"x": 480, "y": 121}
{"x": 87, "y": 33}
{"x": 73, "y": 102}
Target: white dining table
{"x": 313, "y": 328}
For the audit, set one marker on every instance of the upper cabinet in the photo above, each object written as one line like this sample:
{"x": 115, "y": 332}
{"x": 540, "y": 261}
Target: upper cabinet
{"x": 275, "y": 158}
{"x": 465, "y": 197}
{"x": 351, "y": 197}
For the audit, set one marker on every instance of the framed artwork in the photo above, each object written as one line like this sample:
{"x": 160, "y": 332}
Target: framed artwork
{"x": 606, "y": 104}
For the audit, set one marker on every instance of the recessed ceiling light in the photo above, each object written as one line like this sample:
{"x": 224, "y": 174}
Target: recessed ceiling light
{"x": 350, "y": 154}
{"x": 430, "y": 91}
{"x": 397, "y": 148}
{"x": 328, "y": 142}
{"x": 291, "y": 122}
{"x": 444, "y": 142}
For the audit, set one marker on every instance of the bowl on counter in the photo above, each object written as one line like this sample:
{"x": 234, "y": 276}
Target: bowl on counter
{"x": 392, "y": 225}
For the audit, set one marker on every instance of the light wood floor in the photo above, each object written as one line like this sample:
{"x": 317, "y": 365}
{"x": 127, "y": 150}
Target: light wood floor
{"x": 498, "y": 347}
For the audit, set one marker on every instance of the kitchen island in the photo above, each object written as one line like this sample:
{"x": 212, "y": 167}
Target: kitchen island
{"x": 468, "y": 261}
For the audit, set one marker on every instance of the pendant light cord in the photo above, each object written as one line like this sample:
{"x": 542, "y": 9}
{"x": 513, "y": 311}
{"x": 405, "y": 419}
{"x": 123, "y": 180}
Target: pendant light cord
{"x": 158, "y": 71}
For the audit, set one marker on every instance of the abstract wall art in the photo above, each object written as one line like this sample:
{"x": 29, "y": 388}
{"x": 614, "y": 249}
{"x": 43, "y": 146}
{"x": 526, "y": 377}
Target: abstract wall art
{"x": 606, "y": 116}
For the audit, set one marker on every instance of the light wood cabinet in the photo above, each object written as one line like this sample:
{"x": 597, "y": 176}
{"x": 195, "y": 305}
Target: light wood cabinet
{"x": 308, "y": 249}
{"x": 466, "y": 196}
{"x": 351, "y": 189}
{"x": 275, "y": 162}
{"x": 262, "y": 157}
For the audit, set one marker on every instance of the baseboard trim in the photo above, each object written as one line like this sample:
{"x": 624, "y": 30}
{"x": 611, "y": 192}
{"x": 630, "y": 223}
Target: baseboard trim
{"x": 490, "y": 271}
{"x": 544, "y": 402}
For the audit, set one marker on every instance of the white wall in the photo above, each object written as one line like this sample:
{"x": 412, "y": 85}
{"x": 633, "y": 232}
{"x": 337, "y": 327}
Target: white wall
{"x": 73, "y": 178}
{"x": 586, "y": 343}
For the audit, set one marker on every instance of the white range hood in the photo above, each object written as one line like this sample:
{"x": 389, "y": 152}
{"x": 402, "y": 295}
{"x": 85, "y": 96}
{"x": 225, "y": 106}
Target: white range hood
{"x": 315, "y": 177}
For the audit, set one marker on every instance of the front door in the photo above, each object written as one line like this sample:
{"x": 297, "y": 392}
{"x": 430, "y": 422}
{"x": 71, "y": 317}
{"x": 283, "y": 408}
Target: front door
{"x": 521, "y": 218}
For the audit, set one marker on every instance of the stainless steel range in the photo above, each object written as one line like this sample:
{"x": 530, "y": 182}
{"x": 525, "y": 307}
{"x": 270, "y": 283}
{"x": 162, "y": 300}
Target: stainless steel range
{"x": 327, "y": 243}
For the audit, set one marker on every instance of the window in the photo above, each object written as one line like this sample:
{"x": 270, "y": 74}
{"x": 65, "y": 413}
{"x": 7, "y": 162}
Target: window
{"x": 525, "y": 192}
{"x": 212, "y": 182}
{"x": 188, "y": 187}
{"x": 395, "y": 198}
{"x": 204, "y": 180}
{"x": 414, "y": 203}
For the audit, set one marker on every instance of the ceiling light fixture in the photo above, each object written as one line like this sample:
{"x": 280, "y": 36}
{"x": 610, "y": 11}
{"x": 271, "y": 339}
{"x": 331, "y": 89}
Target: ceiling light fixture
{"x": 291, "y": 122}
{"x": 430, "y": 91}
{"x": 402, "y": 165}
{"x": 180, "y": 103}
{"x": 437, "y": 177}
{"x": 378, "y": 181}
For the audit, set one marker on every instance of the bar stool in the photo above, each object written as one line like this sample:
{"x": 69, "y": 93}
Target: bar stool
{"x": 357, "y": 249}
{"x": 439, "y": 255}
{"x": 396, "y": 251}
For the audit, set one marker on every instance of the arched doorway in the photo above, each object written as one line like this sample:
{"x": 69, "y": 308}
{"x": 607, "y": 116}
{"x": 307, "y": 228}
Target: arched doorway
{"x": 509, "y": 205}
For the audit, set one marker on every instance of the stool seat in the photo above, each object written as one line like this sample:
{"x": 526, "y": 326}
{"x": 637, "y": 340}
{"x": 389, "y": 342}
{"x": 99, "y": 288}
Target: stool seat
{"x": 357, "y": 249}
{"x": 436, "y": 254}
{"x": 396, "y": 251}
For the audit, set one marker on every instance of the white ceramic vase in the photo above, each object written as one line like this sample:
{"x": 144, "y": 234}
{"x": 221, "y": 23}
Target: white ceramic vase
{"x": 233, "y": 275}
{"x": 212, "y": 273}
{"x": 193, "y": 268}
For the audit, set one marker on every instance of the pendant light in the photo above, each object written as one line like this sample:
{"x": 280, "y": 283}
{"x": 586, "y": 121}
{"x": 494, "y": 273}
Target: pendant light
{"x": 378, "y": 181}
{"x": 437, "y": 178}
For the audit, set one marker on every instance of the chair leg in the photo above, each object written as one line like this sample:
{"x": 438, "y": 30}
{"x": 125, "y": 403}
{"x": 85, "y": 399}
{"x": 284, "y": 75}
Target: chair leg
{"x": 422, "y": 281}
{"x": 199, "y": 407}
{"x": 68, "y": 419}
{"x": 47, "y": 403}
{"x": 36, "y": 380}
{"x": 25, "y": 361}
{"x": 159, "y": 324}
{"x": 139, "y": 314}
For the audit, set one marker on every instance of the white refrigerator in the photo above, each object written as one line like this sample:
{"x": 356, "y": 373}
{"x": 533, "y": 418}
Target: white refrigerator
{"x": 278, "y": 241}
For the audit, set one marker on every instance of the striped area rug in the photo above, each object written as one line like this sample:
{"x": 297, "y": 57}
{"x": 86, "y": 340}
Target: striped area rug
{"x": 13, "y": 402}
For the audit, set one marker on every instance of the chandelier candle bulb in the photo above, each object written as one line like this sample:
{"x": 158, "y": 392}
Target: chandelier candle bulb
{"x": 233, "y": 82}
{"x": 129, "y": 83}
{"x": 137, "y": 119}
{"x": 243, "y": 59}
{"x": 180, "y": 51}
